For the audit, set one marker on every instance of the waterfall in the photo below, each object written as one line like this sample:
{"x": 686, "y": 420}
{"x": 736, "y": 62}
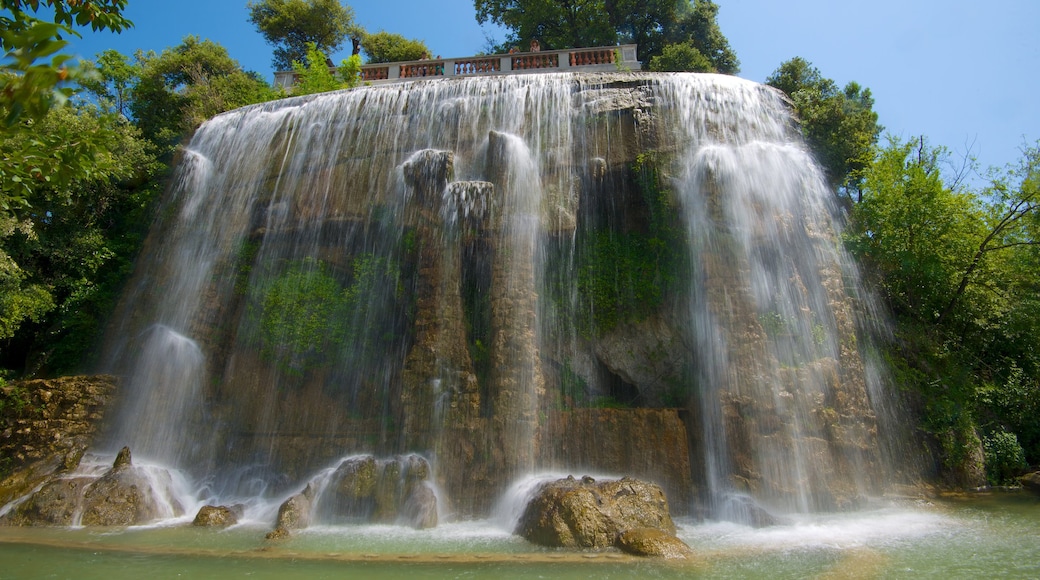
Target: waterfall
{"x": 628, "y": 273}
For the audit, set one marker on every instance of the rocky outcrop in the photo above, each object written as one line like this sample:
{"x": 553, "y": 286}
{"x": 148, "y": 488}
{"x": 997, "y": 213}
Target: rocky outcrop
{"x": 584, "y": 513}
{"x": 648, "y": 353}
{"x": 649, "y": 444}
{"x": 219, "y": 516}
{"x": 396, "y": 490}
{"x": 295, "y": 512}
{"x": 124, "y": 495}
{"x": 364, "y": 489}
{"x": 1031, "y": 482}
{"x": 45, "y": 427}
{"x": 653, "y": 543}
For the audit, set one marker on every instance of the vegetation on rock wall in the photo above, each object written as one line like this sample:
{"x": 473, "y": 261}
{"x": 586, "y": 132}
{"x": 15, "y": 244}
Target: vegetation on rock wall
{"x": 626, "y": 275}
{"x": 304, "y": 317}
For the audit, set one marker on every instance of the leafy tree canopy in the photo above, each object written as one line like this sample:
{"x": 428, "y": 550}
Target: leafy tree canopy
{"x": 840, "y": 125}
{"x": 289, "y": 25}
{"x": 388, "y": 47}
{"x": 554, "y": 23}
{"x": 187, "y": 84}
{"x": 34, "y": 78}
{"x": 317, "y": 77}
{"x": 651, "y": 24}
{"x": 681, "y": 57}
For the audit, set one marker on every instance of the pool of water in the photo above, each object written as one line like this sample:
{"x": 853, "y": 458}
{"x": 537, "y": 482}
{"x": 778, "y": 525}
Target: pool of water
{"x": 977, "y": 537}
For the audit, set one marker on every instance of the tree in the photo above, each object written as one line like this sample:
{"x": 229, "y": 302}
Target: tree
{"x": 840, "y": 125}
{"x": 387, "y": 47}
{"x": 187, "y": 84}
{"x": 61, "y": 266}
{"x": 961, "y": 272}
{"x": 681, "y": 57}
{"x": 289, "y": 25}
{"x": 698, "y": 25}
{"x": 554, "y": 23}
{"x": 915, "y": 233}
{"x": 651, "y": 24}
{"x": 34, "y": 78}
{"x": 41, "y": 158}
{"x": 317, "y": 77}
{"x": 112, "y": 85}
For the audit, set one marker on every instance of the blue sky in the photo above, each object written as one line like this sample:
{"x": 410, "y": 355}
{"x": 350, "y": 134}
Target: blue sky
{"x": 962, "y": 73}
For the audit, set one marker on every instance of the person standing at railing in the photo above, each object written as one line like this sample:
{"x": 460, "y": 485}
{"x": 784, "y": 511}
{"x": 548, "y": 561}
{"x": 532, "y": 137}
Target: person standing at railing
{"x": 536, "y": 46}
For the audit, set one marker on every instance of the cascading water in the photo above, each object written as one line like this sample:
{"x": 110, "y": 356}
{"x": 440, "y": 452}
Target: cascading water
{"x": 628, "y": 273}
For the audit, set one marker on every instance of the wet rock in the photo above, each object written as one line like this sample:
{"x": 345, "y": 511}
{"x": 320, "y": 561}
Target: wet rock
{"x": 278, "y": 534}
{"x": 216, "y": 516}
{"x": 295, "y": 512}
{"x": 420, "y": 509}
{"x": 48, "y": 433}
{"x": 654, "y": 543}
{"x": 366, "y": 489}
{"x": 743, "y": 509}
{"x": 55, "y": 504}
{"x": 121, "y": 497}
{"x": 122, "y": 458}
{"x": 648, "y": 354}
{"x": 1031, "y": 482}
{"x": 573, "y": 514}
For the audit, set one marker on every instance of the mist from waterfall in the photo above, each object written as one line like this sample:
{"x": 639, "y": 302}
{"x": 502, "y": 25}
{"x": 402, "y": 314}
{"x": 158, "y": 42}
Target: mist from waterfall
{"x": 400, "y": 269}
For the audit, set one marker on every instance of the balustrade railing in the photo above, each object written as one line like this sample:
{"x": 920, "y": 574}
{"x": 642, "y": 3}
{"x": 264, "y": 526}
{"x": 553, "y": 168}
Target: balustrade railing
{"x": 601, "y": 58}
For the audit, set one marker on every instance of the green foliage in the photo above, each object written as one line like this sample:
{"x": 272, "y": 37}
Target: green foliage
{"x": 961, "y": 271}
{"x": 187, "y": 84}
{"x": 300, "y": 314}
{"x": 317, "y": 77}
{"x": 13, "y": 399}
{"x": 1005, "y": 459}
{"x": 840, "y": 125}
{"x": 624, "y": 276}
{"x": 98, "y": 14}
{"x": 290, "y": 25}
{"x": 653, "y": 25}
{"x": 681, "y": 57}
{"x": 387, "y": 47}
{"x": 608, "y": 402}
{"x": 112, "y": 85}
{"x": 303, "y": 317}
{"x": 916, "y": 233}
{"x": 75, "y": 245}
{"x": 698, "y": 26}
{"x": 556, "y": 25}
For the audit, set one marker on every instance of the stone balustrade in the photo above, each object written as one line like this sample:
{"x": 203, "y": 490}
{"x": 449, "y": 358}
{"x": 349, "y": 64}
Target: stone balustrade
{"x": 595, "y": 59}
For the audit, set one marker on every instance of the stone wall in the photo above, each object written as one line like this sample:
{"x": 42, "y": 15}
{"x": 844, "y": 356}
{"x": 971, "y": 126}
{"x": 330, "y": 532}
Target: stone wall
{"x": 46, "y": 425}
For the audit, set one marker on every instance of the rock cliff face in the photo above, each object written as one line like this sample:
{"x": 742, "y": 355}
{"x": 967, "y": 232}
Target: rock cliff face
{"x": 46, "y": 426}
{"x": 623, "y": 273}
{"x": 124, "y": 495}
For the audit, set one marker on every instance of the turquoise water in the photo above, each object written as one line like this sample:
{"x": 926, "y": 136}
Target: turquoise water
{"x": 981, "y": 537}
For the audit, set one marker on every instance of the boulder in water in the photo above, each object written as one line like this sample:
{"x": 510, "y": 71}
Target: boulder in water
{"x": 123, "y": 496}
{"x": 295, "y": 512}
{"x": 588, "y": 514}
{"x": 217, "y": 516}
{"x": 1031, "y": 482}
{"x": 743, "y": 509}
{"x": 395, "y": 490}
{"x": 653, "y": 542}
{"x": 54, "y": 504}
{"x": 420, "y": 508}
